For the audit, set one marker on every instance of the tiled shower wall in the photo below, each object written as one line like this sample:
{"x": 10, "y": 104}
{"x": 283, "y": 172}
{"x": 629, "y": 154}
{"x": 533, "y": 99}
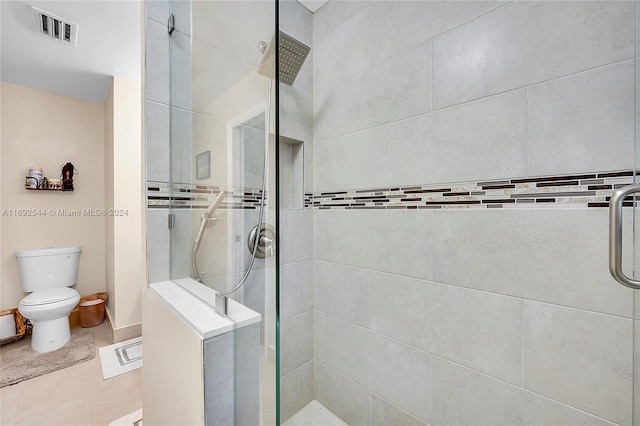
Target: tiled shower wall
{"x": 157, "y": 132}
{"x": 468, "y": 315}
{"x": 296, "y": 226}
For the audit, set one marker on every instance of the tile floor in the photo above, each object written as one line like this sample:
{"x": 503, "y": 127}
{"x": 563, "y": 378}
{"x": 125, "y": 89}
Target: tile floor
{"x": 72, "y": 396}
{"x": 314, "y": 414}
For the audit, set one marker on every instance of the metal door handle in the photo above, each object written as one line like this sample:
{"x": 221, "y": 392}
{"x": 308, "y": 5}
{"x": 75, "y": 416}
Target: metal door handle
{"x": 615, "y": 236}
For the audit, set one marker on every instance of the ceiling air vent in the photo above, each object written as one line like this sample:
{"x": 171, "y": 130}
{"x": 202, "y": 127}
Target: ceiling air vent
{"x": 55, "y": 27}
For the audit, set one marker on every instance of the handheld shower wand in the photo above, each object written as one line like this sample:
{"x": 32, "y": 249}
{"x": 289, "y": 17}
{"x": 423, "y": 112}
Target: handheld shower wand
{"x": 207, "y": 216}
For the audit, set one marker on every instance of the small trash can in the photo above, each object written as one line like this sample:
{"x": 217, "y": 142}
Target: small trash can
{"x": 92, "y": 310}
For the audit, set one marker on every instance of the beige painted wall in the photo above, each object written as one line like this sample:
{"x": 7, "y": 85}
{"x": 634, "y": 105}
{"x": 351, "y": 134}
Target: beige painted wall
{"x": 123, "y": 191}
{"x": 46, "y": 129}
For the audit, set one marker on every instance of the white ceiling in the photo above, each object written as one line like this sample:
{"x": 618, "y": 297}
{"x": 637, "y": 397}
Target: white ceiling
{"x": 313, "y": 5}
{"x": 108, "y": 45}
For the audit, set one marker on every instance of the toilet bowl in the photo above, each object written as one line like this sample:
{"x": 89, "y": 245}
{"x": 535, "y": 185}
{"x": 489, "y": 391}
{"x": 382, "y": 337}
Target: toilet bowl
{"x": 48, "y": 311}
{"x": 47, "y": 274}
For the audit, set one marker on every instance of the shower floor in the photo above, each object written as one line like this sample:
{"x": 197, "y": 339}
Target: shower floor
{"x": 314, "y": 414}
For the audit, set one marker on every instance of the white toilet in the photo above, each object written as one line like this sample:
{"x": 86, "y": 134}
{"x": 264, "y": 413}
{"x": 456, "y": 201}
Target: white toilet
{"x": 47, "y": 274}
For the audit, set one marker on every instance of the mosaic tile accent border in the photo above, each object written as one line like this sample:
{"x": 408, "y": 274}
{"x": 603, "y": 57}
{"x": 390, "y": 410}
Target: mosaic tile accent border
{"x": 563, "y": 191}
{"x": 576, "y": 190}
{"x": 164, "y": 195}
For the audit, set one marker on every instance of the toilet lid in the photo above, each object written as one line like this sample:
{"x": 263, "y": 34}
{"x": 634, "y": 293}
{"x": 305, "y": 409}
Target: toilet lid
{"x": 52, "y": 295}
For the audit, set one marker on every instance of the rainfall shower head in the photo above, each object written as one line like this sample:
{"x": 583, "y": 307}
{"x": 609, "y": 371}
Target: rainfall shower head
{"x": 292, "y": 56}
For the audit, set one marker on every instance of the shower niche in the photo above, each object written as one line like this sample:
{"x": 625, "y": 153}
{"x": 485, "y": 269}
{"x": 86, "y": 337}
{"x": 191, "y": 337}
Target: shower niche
{"x": 291, "y": 173}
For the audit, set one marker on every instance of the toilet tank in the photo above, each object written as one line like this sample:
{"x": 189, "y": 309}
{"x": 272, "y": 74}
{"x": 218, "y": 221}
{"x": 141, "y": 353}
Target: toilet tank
{"x": 51, "y": 267}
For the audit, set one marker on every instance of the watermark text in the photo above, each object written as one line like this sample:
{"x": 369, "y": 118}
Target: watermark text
{"x": 31, "y": 212}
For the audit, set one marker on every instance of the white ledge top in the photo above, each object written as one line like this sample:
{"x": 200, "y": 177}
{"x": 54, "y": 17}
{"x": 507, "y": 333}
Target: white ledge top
{"x": 193, "y": 302}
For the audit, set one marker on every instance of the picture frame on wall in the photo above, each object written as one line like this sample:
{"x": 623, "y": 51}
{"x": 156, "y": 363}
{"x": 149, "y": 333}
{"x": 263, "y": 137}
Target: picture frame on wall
{"x": 203, "y": 165}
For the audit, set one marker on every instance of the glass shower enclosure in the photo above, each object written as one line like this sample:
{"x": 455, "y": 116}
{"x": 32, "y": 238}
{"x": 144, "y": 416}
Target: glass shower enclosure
{"x": 428, "y": 201}
{"x": 223, "y": 164}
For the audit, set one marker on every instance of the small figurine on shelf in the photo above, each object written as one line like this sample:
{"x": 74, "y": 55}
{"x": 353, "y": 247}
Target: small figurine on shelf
{"x": 67, "y": 177}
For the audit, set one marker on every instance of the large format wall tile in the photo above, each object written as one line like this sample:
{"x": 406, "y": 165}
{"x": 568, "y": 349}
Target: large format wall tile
{"x": 297, "y": 341}
{"x": 342, "y": 291}
{"x": 401, "y": 374}
{"x": 477, "y": 329}
{"x": 523, "y": 43}
{"x": 319, "y": 336}
{"x": 296, "y": 113}
{"x": 544, "y": 411}
{"x": 582, "y": 122}
{"x": 296, "y": 390}
{"x": 345, "y": 398}
{"x": 157, "y": 70}
{"x": 181, "y": 70}
{"x": 319, "y": 115}
{"x": 400, "y": 25}
{"x": 158, "y": 142}
{"x": 289, "y": 293}
{"x": 555, "y": 255}
{"x": 581, "y": 358}
{"x": 181, "y": 243}
{"x": 254, "y": 292}
{"x": 181, "y": 145}
{"x": 307, "y": 153}
{"x": 343, "y": 159}
{"x": 479, "y": 140}
{"x": 400, "y": 308}
{"x": 304, "y": 80}
{"x": 296, "y": 236}
{"x": 385, "y": 414}
{"x": 319, "y": 235}
{"x": 219, "y": 379}
{"x": 396, "y": 241}
{"x": 333, "y": 14}
{"x": 158, "y": 10}
{"x": 304, "y": 273}
{"x": 158, "y": 240}
{"x": 285, "y": 170}
{"x": 342, "y": 53}
{"x": 296, "y": 288}
{"x": 397, "y": 88}
{"x": 348, "y": 348}
{"x": 247, "y": 354}
{"x": 462, "y": 396}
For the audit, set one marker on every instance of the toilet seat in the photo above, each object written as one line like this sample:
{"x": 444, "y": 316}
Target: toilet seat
{"x": 49, "y": 296}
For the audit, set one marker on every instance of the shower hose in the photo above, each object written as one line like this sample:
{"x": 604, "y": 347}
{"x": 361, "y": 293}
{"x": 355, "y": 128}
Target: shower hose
{"x": 256, "y": 242}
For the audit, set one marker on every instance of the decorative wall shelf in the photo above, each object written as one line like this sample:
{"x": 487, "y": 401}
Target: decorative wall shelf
{"x": 47, "y": 189}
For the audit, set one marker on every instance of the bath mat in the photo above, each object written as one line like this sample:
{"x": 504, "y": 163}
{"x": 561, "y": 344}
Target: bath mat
{"x": 23, "y": 363}
{"x": 121, "y": 358}
{"x": 132, "y": 419}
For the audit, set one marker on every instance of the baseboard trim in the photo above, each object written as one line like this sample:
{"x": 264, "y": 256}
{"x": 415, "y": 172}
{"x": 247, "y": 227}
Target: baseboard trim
{"x": 123, "y": 333}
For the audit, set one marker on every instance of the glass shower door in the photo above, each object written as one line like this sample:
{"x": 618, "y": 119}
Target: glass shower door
{"x": 636, "y": 235}
{"x": 624, "y": 222}
{"x": 222, "y": 186}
